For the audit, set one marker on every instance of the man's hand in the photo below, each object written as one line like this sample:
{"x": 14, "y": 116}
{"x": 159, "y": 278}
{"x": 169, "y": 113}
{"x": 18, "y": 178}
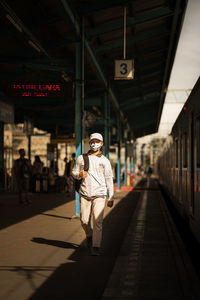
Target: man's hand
{"x": 83, "y": 174}
{"x": 110, "y": 203}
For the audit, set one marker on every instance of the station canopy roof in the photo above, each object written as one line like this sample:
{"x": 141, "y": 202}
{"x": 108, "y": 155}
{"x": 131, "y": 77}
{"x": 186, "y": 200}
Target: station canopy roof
{"x": 38, "y": 47}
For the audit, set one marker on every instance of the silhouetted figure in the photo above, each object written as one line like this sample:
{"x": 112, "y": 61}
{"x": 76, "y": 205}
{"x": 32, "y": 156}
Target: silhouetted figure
{"x": 52, "y": 177}
{"x": 22, "y": 173}
{"x": 37, "y": 174}
{"x": 70, "y": 181}
{"x": 149, "y": 171}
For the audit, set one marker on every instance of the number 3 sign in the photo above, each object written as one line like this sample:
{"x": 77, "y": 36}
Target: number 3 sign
{"x": 124, "y": 69}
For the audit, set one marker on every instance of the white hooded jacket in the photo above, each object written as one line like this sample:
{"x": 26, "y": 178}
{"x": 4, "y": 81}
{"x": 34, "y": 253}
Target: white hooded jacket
{"x": 99, "y": 180}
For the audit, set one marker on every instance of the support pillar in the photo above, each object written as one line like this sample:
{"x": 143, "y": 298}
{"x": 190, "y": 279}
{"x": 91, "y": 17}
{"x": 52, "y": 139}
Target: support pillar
{"x": 130, "y": 166}
{"x": 29, "y": 147}
{"x": 125, "y": 163}
{"x": 106, "y": 127}
{"x": 78, "y": 111}
{"x": 119, "y": 155}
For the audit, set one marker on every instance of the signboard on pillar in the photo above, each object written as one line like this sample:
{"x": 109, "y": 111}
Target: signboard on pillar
{"x": 6, "y": 113}
{"x": 124, "y": 69}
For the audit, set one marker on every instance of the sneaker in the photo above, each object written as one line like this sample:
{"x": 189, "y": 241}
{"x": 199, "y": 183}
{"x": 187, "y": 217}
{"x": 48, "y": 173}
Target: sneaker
{"x": 95, "y": 251}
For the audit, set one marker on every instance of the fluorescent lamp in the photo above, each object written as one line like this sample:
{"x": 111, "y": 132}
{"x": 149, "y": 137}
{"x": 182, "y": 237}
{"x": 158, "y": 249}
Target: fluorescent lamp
{"x": 17, "y": 26}
{"x": 34, "y": 46}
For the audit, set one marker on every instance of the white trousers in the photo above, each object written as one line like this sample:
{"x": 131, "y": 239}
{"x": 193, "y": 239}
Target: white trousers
{"x": 91, "y": 216}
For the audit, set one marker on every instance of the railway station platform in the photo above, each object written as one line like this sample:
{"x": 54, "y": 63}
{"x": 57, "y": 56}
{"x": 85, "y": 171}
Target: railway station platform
{"x": 42, "y": 253}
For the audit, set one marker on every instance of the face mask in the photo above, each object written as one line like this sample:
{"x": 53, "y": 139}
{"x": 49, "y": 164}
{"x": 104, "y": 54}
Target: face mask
{"x": 95, "y": 146}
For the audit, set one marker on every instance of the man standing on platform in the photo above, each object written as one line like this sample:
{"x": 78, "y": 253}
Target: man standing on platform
{"x": 22, "y": 172}
{"x": 96, "y": 183}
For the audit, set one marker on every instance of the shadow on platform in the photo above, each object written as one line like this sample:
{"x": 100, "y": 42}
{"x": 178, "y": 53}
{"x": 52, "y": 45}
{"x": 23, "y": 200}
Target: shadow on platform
{"x": 11, "y": 212}
{"x": 86, "y": 276}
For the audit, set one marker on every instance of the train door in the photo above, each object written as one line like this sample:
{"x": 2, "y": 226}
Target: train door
{"x": 192, "y": 163}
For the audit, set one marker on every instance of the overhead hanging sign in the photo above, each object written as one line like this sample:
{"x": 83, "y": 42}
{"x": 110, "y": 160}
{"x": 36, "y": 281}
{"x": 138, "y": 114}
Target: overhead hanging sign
{"x": 124, "y": 69}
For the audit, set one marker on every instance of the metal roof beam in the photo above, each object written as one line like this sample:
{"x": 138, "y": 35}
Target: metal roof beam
{"x": 48, "y": 61}
{"x": 140, "y": 57}
{"x": 76, "y": 24}
{"x": 27, "y": 51}
{"x": 100, "y": 5}
{"x": 101, "y": 122}
{"x": 150, "y": 71}
{"x": 132, "y": 40}
{"x": 37, "y": 66}
{"x": 142, "y": 18}
{"x": 24, "y": 29}
{"x": 139, "y": 103}
{"x": 93, "y": 101}
{"x": 135, "y": 94}
{"x": 44, "y": 21}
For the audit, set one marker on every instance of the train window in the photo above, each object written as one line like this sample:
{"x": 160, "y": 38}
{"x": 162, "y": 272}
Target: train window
{"x": 176, "y": 141}
{"x": 198, "y": 142}
{"x": 185, "y": 151}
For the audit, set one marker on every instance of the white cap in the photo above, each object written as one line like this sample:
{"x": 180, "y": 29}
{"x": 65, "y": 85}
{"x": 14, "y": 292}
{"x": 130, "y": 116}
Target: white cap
{"x": 97, "y": 136}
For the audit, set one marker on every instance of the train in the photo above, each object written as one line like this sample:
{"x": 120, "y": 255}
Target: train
{"x": 178, "y": 165}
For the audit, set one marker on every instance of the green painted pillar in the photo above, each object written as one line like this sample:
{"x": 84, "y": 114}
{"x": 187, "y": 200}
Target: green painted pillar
{"x": 78, "y": 111}
{"x": 119, "y": 155}
{"x": 125, "y": 163}
{"x": 134, "y": 156}
{"x": 1, "y": 155}
{"x": 106, "y": 126}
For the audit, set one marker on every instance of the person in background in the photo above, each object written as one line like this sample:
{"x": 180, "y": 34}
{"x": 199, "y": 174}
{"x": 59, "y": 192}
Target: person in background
{"x": 149, "y": 171}
{"x": 37, "y": 174}
{"x": 22, "y": 173}
{"x": 52, "y": 177}
{"x": 66, "y": 175}
{"x": 97, "y": 181}
{"x": 70, "y": 181}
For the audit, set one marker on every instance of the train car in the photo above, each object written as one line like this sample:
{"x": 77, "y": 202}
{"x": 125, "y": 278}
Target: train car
{"x": 178, "y": 166}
